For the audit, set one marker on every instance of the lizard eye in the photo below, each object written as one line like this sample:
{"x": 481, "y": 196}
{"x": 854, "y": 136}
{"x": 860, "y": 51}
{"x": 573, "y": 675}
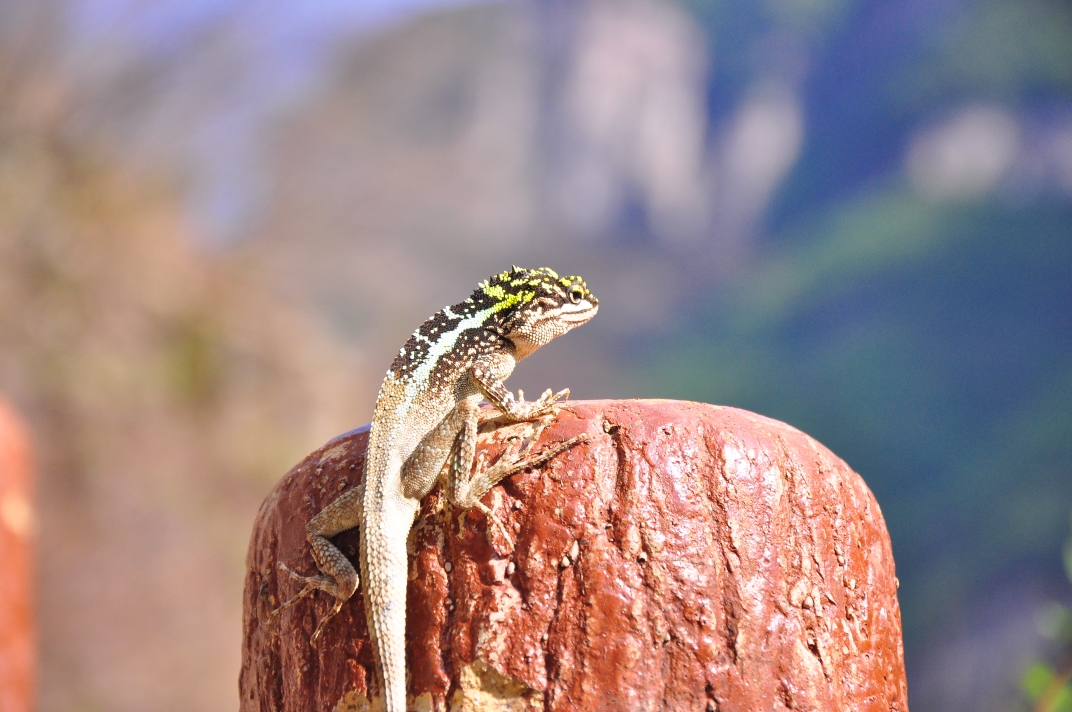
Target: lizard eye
{"x": 576, "y": 293}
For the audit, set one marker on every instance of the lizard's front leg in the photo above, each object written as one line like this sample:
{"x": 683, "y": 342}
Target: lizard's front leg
{"x": 486, "y": 378}
{"x": 465, "y": 491}
{"x": 422, "y": 468}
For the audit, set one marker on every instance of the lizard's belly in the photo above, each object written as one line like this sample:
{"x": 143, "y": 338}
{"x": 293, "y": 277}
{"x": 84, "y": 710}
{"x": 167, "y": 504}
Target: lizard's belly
{"x": 385, "y": 528}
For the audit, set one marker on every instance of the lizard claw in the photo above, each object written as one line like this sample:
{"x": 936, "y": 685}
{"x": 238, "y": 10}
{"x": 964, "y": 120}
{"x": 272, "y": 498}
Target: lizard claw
{"x": 549, "y": 399}
{"x": 323, "y": 621}
{"x": 545, "y": 405}
{"x": 320, "y": 582}
{"x": 292, "y": 572}
{"x": 497, "y": 522}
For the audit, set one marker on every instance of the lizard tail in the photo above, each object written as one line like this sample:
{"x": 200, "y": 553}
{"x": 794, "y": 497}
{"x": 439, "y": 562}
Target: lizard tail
{"x": 385, "y": 609}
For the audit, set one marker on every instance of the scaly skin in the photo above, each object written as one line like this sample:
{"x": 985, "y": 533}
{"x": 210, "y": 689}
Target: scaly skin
{"x": 427, "y": 414}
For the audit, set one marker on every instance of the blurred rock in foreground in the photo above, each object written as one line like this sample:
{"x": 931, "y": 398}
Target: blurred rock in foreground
{"x": 16, "y": 565}
{"x": 688, "y": 557}
{"x": 166, "y": 389}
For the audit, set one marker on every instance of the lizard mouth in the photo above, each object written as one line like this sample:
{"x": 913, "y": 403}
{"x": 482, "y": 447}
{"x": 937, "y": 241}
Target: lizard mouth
{"x": 579, "y": 313}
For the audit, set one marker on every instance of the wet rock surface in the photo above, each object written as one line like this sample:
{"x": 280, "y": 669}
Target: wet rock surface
{"x": 688, "y": 557}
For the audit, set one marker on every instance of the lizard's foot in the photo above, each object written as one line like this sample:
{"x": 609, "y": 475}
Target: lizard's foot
{"x": 519, "y": 411}
{"x": 319, "y": 582}
{"x": 512, "y": 462}
{"x": 516, "y": 459}
{"x": 496, "y": 521}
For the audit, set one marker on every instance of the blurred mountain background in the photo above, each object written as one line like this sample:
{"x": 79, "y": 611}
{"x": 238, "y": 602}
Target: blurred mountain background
{"x": 219, "y": 220}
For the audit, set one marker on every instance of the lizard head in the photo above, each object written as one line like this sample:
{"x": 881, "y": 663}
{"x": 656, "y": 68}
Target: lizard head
{"x": 534, "y": 306}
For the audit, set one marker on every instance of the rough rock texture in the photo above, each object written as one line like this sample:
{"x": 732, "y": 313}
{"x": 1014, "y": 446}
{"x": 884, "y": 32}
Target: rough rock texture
{"x": 689, "y": 557}
{"x": 16, "y": 572}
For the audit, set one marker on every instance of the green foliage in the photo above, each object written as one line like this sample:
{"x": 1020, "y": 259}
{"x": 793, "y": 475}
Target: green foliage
{"x": 1045, "y": 690}
{"x": 195, "y": 366}
{"x": 928, "y": 343}
{"x": 1045, "y": 683}
{"x": 1000, "y": 50}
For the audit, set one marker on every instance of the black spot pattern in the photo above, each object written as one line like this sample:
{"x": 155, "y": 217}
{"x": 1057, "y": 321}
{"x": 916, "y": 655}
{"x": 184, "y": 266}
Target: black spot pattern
{"x": 471, "y": 345}
{"x": 438, "y": 325}
{"x": 412, "y": 355}
{"x": 545, "y": 290}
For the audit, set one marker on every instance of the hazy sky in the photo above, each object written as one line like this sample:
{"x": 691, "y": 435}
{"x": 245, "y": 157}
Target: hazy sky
{"x": 193, "y": 84}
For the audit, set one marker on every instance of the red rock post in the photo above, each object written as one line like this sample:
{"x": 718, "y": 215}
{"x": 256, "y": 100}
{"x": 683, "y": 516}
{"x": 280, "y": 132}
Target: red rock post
{"x": 688, "y": 557}
{"x": 16, "y": 571}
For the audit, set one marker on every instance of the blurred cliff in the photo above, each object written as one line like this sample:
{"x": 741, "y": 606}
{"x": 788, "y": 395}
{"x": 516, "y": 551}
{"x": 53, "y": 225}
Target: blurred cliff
{"x": 218, "y": 221}
{"x": 166, "y": 391}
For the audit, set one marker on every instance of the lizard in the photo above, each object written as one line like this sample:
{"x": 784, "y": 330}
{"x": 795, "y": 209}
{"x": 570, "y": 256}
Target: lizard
{"x": 424, "y": 427}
